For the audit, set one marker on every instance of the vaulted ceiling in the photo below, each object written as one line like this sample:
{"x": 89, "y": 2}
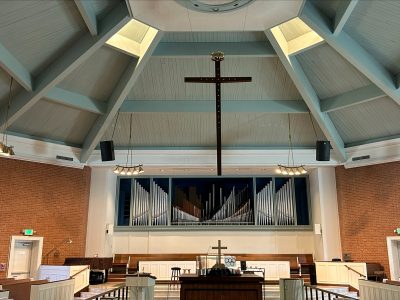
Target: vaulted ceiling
{"x": 70, "y": 83}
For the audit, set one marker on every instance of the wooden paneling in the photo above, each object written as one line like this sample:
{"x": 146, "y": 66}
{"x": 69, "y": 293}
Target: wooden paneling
{"x": 43, "y": 30}
{"x": 98, "y": 76}
{"x": 329, "y": 73}
{"x": 370, "y": 290}
{"x": 375, "y": 25}
{"x": 133, "y": 259}
{"x": 371, "y": 120}
{"x": 198, "y": 129}
{"x": 222, "y": 288}
{"x": 195, "y": 37}
{"x": 163, "y": 79}
{"x": 54, "y": 121}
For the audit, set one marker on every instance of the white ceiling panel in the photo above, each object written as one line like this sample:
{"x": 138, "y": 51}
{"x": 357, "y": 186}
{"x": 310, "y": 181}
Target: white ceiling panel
{"x": 163, "y": 79}
{"x": 329, "y": 73}
{"x": 57, "y": 122}
{"x": 36, "y": 32}
{"x": 198, "y": 130}
{"x": 98, "y": 76}
{"x": 209, "y": 36}
{"x": 376, "y": 26}
{"x": 368, "y": 121}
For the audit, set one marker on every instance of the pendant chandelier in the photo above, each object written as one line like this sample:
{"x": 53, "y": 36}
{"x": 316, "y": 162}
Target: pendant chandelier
{"x": 291, "y": 168}
{"x": 5, "y": 149}
{"x": 129, "y": 168}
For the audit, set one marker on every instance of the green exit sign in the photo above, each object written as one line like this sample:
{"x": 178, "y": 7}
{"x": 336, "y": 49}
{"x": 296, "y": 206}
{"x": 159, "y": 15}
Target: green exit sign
{"x": 27, "y": 231}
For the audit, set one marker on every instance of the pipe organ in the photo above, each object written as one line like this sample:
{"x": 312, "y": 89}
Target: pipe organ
{"x": 141, "y": 204}
{"x": 266, "y": 206}
{"x": 269, "y": 201}
{"x": 284, "y": 204}
{"x": 159, "y": 204}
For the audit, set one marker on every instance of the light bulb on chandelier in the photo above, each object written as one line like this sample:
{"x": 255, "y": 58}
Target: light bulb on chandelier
{"x": 128, "y": 169}
{"x": 291, "y": 169}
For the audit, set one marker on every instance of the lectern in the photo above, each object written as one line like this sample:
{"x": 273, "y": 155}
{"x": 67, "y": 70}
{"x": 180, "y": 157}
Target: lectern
{"x": 141, "y": 286}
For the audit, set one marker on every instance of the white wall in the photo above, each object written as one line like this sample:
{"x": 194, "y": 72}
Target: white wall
{"x": 101, "y": 212}
{"x": 201, "y": 241}
{"x": 324, "y": 211}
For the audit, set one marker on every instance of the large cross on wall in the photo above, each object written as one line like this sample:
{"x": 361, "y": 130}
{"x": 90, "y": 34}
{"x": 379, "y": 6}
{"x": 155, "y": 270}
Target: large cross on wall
{"x": 217, "y": 57}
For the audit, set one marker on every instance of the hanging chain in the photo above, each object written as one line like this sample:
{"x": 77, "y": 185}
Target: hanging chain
{"x": 312, "y": 123}
{"x": 8, "y": 109}
{"x": 290, "y": 144}
{"x": 115, "y": 126}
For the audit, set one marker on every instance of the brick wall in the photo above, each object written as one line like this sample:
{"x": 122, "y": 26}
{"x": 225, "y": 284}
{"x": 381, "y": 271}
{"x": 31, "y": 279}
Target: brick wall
{"x": 52, "y": 200}
{"x": 369, "y": 208}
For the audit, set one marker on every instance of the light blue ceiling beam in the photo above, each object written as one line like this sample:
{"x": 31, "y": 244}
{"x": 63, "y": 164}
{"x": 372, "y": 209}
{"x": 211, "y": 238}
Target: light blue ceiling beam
{"x": 343, "y": 13}
{"x": 358, "y": 96}
{"x": 123, "y": 87}
{"x": 15, "y": 69}
{"x": 267, "y": 106}
{"x": 76, "y": 100}
{"x": 255, "y": 49}
{"x": 352, "y": 51}
{"x": 310, "y": 97}
{"x": 88, "y": 15}
{"x": 73, "y": 57}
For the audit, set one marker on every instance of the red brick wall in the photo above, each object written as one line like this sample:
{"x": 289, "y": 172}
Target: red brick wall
{"x": 369, "y": 209}
{"x": 52, "y": 200}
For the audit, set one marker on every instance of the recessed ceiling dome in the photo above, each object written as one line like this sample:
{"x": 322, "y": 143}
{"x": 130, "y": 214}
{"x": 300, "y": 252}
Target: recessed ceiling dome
{"x": 214, "y": 6}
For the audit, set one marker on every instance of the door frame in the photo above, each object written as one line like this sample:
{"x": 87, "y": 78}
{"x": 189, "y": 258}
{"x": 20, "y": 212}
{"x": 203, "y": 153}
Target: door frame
{"x": 36, "y": 255}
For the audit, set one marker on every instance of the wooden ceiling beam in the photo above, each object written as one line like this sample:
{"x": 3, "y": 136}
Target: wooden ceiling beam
{"x": 343, "y": 13}
{"x": 76, "y": 100}
{"x": 228, "y": 106}
{"x": 251, "y": 49}
{"x": 15, "y": 69}
{"x": 124, "y": 86}
{"x": 308, "y": 93}
{"x": 358, "y": 96}
{"x": 88, "y": 15}
{"x": 72, "y": 58}
{"x": 355, "y": 54}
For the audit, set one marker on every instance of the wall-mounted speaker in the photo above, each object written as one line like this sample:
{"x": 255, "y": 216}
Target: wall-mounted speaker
{"x": 107, "y": 150}
{"x": 323, "y": 151}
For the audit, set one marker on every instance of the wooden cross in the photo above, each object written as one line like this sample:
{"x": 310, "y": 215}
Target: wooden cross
{"x": 219, "y": 247}
{"x": 217, "y": 57}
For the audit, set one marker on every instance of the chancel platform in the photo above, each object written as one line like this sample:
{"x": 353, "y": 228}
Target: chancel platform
{"x": 194, "y": 287}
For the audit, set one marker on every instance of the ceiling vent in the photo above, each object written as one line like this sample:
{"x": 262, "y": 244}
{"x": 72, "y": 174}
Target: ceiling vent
{"x": 64, "y": 158}
{"x": 361, "y": 158}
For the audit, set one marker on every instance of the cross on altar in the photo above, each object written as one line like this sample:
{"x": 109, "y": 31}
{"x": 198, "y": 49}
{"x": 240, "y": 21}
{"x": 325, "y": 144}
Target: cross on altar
{"x": 219, "y": 247}
{"x": 217, "y": 57}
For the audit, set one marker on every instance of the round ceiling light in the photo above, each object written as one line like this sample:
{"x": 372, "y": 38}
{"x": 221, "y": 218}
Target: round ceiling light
{"x": 214, "y": 6}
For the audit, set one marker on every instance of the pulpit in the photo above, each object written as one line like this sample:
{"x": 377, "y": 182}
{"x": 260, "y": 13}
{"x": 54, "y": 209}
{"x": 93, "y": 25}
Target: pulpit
{"x": 235, "y": 287}
{"x": 141, "y": 286}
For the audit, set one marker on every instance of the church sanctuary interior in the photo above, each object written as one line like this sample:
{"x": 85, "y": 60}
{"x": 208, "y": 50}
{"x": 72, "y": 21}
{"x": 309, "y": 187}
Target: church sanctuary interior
{"x": 199, "y": 149}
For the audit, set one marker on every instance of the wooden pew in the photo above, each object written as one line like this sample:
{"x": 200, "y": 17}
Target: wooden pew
{"x": 21, "y": 289}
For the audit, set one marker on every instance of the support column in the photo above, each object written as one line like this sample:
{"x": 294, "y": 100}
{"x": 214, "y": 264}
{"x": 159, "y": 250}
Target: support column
{"x": 101, "y": 212}
{"x": 325, "y": 212}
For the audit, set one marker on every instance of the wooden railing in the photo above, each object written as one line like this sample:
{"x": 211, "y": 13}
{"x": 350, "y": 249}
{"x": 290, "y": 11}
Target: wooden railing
{"x": 120, "y": 292}
{"x": 312, "y": 292}
{"x": 77, "y": 273}
{"x": 355, "y": 271}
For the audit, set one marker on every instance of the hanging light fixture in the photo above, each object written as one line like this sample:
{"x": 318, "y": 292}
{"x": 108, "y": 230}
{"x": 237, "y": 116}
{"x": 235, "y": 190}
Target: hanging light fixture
{"x": 5, "y": 149}
{"x": 291, "y": 169}
{"x": 129, "y": 168}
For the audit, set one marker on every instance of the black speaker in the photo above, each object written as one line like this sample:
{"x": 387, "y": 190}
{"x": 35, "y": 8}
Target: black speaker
{"x": 323, "y": 151}
{"x": 107, "y": 150}
{"x": 243, "y": 266}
